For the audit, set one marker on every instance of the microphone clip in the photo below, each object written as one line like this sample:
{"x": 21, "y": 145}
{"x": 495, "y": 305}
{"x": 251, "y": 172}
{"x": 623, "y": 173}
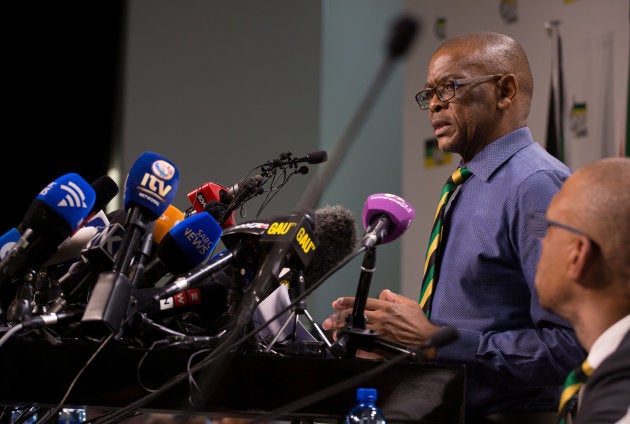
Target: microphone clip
{"x": 284, "y": 160}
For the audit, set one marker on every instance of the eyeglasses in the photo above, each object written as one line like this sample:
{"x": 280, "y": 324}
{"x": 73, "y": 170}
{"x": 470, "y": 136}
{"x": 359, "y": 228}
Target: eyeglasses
{"x": 448, "y": 89}
{"x": 537, "y": 225}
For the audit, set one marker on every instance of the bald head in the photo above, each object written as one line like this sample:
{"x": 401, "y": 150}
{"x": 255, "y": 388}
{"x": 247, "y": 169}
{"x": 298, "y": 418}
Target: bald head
{"x": 596, "y": 199}
{"x": 496, "y": 54}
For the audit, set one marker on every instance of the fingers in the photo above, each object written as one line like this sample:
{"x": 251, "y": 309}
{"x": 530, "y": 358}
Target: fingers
{"x": 390, "y": 296}
{"x": 342, "y": 303}
{"x": 336, "y": 320}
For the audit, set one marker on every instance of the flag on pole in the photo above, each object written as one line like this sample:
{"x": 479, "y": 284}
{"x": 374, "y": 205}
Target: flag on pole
{"x": 555, "y": 117}
{"x": 627, "y": 147}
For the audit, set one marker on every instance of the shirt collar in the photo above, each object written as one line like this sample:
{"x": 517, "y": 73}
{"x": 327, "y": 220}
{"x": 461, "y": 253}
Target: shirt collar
{"x": 608, "y": 341}
{"x": 495, "y": 154}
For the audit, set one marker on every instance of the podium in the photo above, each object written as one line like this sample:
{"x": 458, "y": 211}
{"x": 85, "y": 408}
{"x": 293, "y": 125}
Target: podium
{"x": 243, "y": 384}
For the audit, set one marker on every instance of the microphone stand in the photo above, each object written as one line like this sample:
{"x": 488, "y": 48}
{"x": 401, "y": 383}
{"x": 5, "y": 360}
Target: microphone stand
{"x": 357, "y": 336}
{"x": 299, "y": 309}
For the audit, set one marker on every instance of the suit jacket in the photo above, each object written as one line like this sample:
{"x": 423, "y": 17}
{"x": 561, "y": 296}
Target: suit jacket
{"x": 606, "y": 396}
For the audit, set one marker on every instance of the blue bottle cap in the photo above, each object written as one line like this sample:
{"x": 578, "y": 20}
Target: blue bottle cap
{"x": 366, "y": 395}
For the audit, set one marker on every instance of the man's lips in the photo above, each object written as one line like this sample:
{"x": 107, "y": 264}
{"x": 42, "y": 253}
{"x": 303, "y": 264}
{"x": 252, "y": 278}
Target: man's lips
{"x": 439, "y": 127}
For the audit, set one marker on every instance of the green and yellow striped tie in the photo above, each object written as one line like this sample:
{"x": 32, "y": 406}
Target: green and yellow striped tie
{"x": 568, "y": 399}
{"x": 432, "y": 259}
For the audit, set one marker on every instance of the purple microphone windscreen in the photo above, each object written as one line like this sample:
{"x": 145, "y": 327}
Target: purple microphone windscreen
{"x": 151, "y": 184}
{"x": 396, "y": 208}
{"x": 195, "y": 237}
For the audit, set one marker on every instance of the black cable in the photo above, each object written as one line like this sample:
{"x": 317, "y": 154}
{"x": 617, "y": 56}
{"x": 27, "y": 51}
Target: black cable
{"x": 219, "y": 353}
{"x": 53, "y": 413}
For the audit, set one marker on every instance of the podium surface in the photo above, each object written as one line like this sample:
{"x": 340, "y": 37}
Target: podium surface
{"x": 240, "y": 385}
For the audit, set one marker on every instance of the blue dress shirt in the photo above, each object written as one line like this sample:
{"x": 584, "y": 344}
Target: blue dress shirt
{"x": 516, "y": 353}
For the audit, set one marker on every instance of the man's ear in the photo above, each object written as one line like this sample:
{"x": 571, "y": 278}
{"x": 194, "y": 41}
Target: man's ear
{"x": 581, "y": 258}
{"x": 508, "y": 86}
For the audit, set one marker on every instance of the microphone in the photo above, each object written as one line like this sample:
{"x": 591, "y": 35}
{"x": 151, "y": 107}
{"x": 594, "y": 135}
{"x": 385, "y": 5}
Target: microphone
{"x": 170, "y": 218}
{"x": 50, "y": 319}
{"x": 206, "y": 302}
{"x": 57, "y": 211}
{"x": 71, "y": 247}
{"x": 97, "y": 256}
{"x": 105, "y": 189}
{"x": 290, "y": 243}
{"x": 249, "y": 243}
{"x": 150, "y": 187}
{"x": 285, "y": 159}
{"x": 442, "y": 337}
{"x": 214, "y": 199}
{"x": 244, "y": 252}
{"x": 385, "y": 217}
{"x": 245, "y": 188}
{"x": 20, "y": 307}
{"x": 186, "y": 245}
{"x": 8, "y": 240}
{"x": 336, "y": 235}
{"x": 402, "y": 34}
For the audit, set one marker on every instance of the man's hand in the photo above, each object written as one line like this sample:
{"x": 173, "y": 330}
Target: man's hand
{"x": 391, "y": 316}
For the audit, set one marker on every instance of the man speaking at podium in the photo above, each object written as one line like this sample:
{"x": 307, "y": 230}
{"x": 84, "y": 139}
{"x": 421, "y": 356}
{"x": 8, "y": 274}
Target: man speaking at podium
{"x": 478, "y": 95}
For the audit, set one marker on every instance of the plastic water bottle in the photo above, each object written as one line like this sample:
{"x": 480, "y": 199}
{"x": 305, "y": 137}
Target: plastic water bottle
{"x": 365, "y": 411}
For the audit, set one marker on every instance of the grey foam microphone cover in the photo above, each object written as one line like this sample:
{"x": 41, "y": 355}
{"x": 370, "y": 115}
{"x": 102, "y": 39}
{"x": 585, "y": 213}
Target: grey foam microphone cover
{"x": 336, "y": 233}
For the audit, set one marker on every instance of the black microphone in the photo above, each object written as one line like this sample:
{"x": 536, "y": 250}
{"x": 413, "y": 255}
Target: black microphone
{"x": 289, "y": 238}
{"x": 207, "y": 301}
{"x": 50, "y": 319}
{"x": 244, "y": 252}
{"x": 291, "y": 244}
{"x": 105, "y": 189}
{"x": 71, "y": 247}
{"x": 97, "y": 256}
{"x": 285, "y": 159}
{"x": 237, "y": 195}
{"x": 336, "y": 234}
{"x": 402, "y": 34}
{"x": 442, "y": 337}
{"x": 150, "y": 187}
{"x": 336, "y": 237}
{"x": 20, "y": 307}
{"x": 249, "y": 186}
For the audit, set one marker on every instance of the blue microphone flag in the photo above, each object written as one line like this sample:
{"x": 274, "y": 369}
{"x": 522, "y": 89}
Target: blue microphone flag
{"x": 8, "y": 240}
{"x": 151, "y": 184}
{"x": 197, "y": 236}
{"x": 71, "y": 197}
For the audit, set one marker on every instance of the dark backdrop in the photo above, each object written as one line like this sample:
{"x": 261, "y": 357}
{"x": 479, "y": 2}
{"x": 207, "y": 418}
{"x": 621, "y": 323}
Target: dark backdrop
{"x": 60, "y": 69}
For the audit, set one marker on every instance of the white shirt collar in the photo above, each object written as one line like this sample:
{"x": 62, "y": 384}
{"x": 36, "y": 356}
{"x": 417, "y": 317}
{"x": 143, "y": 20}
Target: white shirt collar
{"x": 608, "y": 341}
